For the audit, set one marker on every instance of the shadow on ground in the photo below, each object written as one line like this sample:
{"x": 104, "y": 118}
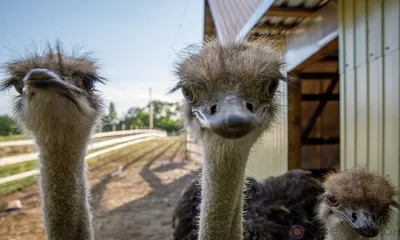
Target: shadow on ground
{"x": 148, "y": 217}
{"x": 133, "y": 196}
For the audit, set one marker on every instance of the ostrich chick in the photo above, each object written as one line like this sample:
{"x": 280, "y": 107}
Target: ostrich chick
{"x": 58, "y": 105}
{"x": 356, "y": 204}
{"x": 230, "y": 92}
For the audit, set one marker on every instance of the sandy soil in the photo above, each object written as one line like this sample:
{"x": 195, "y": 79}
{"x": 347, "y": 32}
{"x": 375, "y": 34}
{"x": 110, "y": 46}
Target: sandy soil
{"x": 136, "y": 204}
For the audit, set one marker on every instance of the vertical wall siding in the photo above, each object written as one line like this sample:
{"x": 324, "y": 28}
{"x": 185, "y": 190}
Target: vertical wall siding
{"x": 270, "y": 154}
{"x": 370, "y": 88}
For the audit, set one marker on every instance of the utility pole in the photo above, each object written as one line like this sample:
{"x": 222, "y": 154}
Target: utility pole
{"x": 150, "y": 111}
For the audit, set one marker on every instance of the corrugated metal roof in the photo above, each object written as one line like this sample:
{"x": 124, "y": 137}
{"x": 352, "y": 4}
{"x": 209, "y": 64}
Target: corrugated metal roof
{"x": 271, "y": 24}
{"x": 238, "y": 17}
{"x": 230, "y": 16}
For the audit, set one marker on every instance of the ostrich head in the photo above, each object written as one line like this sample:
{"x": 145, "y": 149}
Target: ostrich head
{"x": 357, "y": 201}
{"x": 56, "y": 96}
{"x": 229, "y": 90}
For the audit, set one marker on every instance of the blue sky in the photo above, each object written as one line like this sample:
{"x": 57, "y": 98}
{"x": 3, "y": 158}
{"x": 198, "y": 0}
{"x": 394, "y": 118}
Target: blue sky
{"x": 136, "y": 41}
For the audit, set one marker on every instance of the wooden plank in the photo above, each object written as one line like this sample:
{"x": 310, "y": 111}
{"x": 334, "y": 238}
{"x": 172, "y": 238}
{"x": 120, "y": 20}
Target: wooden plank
{"x": 87, "y": 157}
{"x": 269, "y": 27}
{"x": 319, "y": 109}
{"x": 209, "y": 26}
{"x": 320, "y": 97}
{"x": 305, "y": 43}
{"x": 329, "y": 59}
{"x": 326, "y": 51}
{"x": 294, "y": 125}
{"x": 289, "y": 12}
{"x": 319, "y": 126}
{"x": 317, "y": 76}
{"x": 321, "y": 141}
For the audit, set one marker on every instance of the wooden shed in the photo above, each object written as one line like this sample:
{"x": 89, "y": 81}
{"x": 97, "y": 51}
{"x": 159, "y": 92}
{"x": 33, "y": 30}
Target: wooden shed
{"x": 345, "y": 110}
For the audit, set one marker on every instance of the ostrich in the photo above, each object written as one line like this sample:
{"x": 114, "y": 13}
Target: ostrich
{"x": 348, "y": 205}
{"x": 58, "y": 105}
{"x": 230, "y": 91}
{"x": 356, "y": 204}
{"x": 272, "y": 208}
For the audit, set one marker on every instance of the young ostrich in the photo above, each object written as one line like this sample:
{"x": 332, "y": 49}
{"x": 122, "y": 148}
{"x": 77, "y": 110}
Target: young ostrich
{"x": 230, "y": 101}
{"x": 356, "y": 204}
{"x": 58, "y": 105}
{"x": 348, "y": 205}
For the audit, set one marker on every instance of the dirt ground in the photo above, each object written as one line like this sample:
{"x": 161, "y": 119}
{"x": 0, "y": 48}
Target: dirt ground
{"x": 136, "y": 204}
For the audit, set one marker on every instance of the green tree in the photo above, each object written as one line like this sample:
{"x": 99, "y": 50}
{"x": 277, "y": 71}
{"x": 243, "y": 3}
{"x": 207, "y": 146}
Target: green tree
{"x": 165, "y": 116}
{"x": 137, "y": 117}
{"x": 7, "y": 126}
{"x": 112, "y": 118}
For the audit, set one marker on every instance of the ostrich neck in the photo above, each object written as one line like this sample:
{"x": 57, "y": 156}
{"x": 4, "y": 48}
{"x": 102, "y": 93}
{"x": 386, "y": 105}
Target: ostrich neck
{"x": 64, "y": 190}
{"x": 221, "y": 209}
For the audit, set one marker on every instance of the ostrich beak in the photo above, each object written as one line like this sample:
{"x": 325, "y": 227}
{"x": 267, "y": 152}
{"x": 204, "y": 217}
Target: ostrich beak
{"x": 229, "y": 118}
{"x": 45, "y": 80}
{"x": 361, "y": 220}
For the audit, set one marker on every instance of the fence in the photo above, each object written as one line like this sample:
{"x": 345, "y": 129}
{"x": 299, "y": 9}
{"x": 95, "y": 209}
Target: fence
{"x": 139, "y": 135}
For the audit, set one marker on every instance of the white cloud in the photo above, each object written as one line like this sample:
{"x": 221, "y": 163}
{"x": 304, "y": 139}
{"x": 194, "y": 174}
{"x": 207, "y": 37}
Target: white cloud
{"x": 126, "y": 95}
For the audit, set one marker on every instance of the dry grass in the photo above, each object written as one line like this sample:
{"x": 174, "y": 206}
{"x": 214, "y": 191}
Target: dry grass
{"x": 12, "y": 138}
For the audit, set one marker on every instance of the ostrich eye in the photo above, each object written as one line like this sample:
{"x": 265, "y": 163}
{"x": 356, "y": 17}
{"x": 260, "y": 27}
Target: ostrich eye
{"x": 332, "y": 200}
{"x": 17, "y": 85}
{"x": 88, "y": 83}
{"x": 189, "y": 95}
{"x": 270, "y": 88}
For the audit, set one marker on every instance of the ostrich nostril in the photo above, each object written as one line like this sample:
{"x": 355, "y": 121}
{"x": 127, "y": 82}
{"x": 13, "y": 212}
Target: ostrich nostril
{"x": 354, "y": 216}
{"x": 368, "y": 215}
{"x": 213, "y": 109}
{"x": 249, "y": 106}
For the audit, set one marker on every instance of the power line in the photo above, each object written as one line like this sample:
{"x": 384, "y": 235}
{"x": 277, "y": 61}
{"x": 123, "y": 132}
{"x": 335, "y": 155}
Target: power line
{"x": 180, "y": 24}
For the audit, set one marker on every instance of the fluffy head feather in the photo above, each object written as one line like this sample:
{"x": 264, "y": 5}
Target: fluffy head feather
{"x": 360, "y": 186}
{"x": 49, "y": 112}
{"x": 239, "y": 68}
{"x": 354, "y": 198}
